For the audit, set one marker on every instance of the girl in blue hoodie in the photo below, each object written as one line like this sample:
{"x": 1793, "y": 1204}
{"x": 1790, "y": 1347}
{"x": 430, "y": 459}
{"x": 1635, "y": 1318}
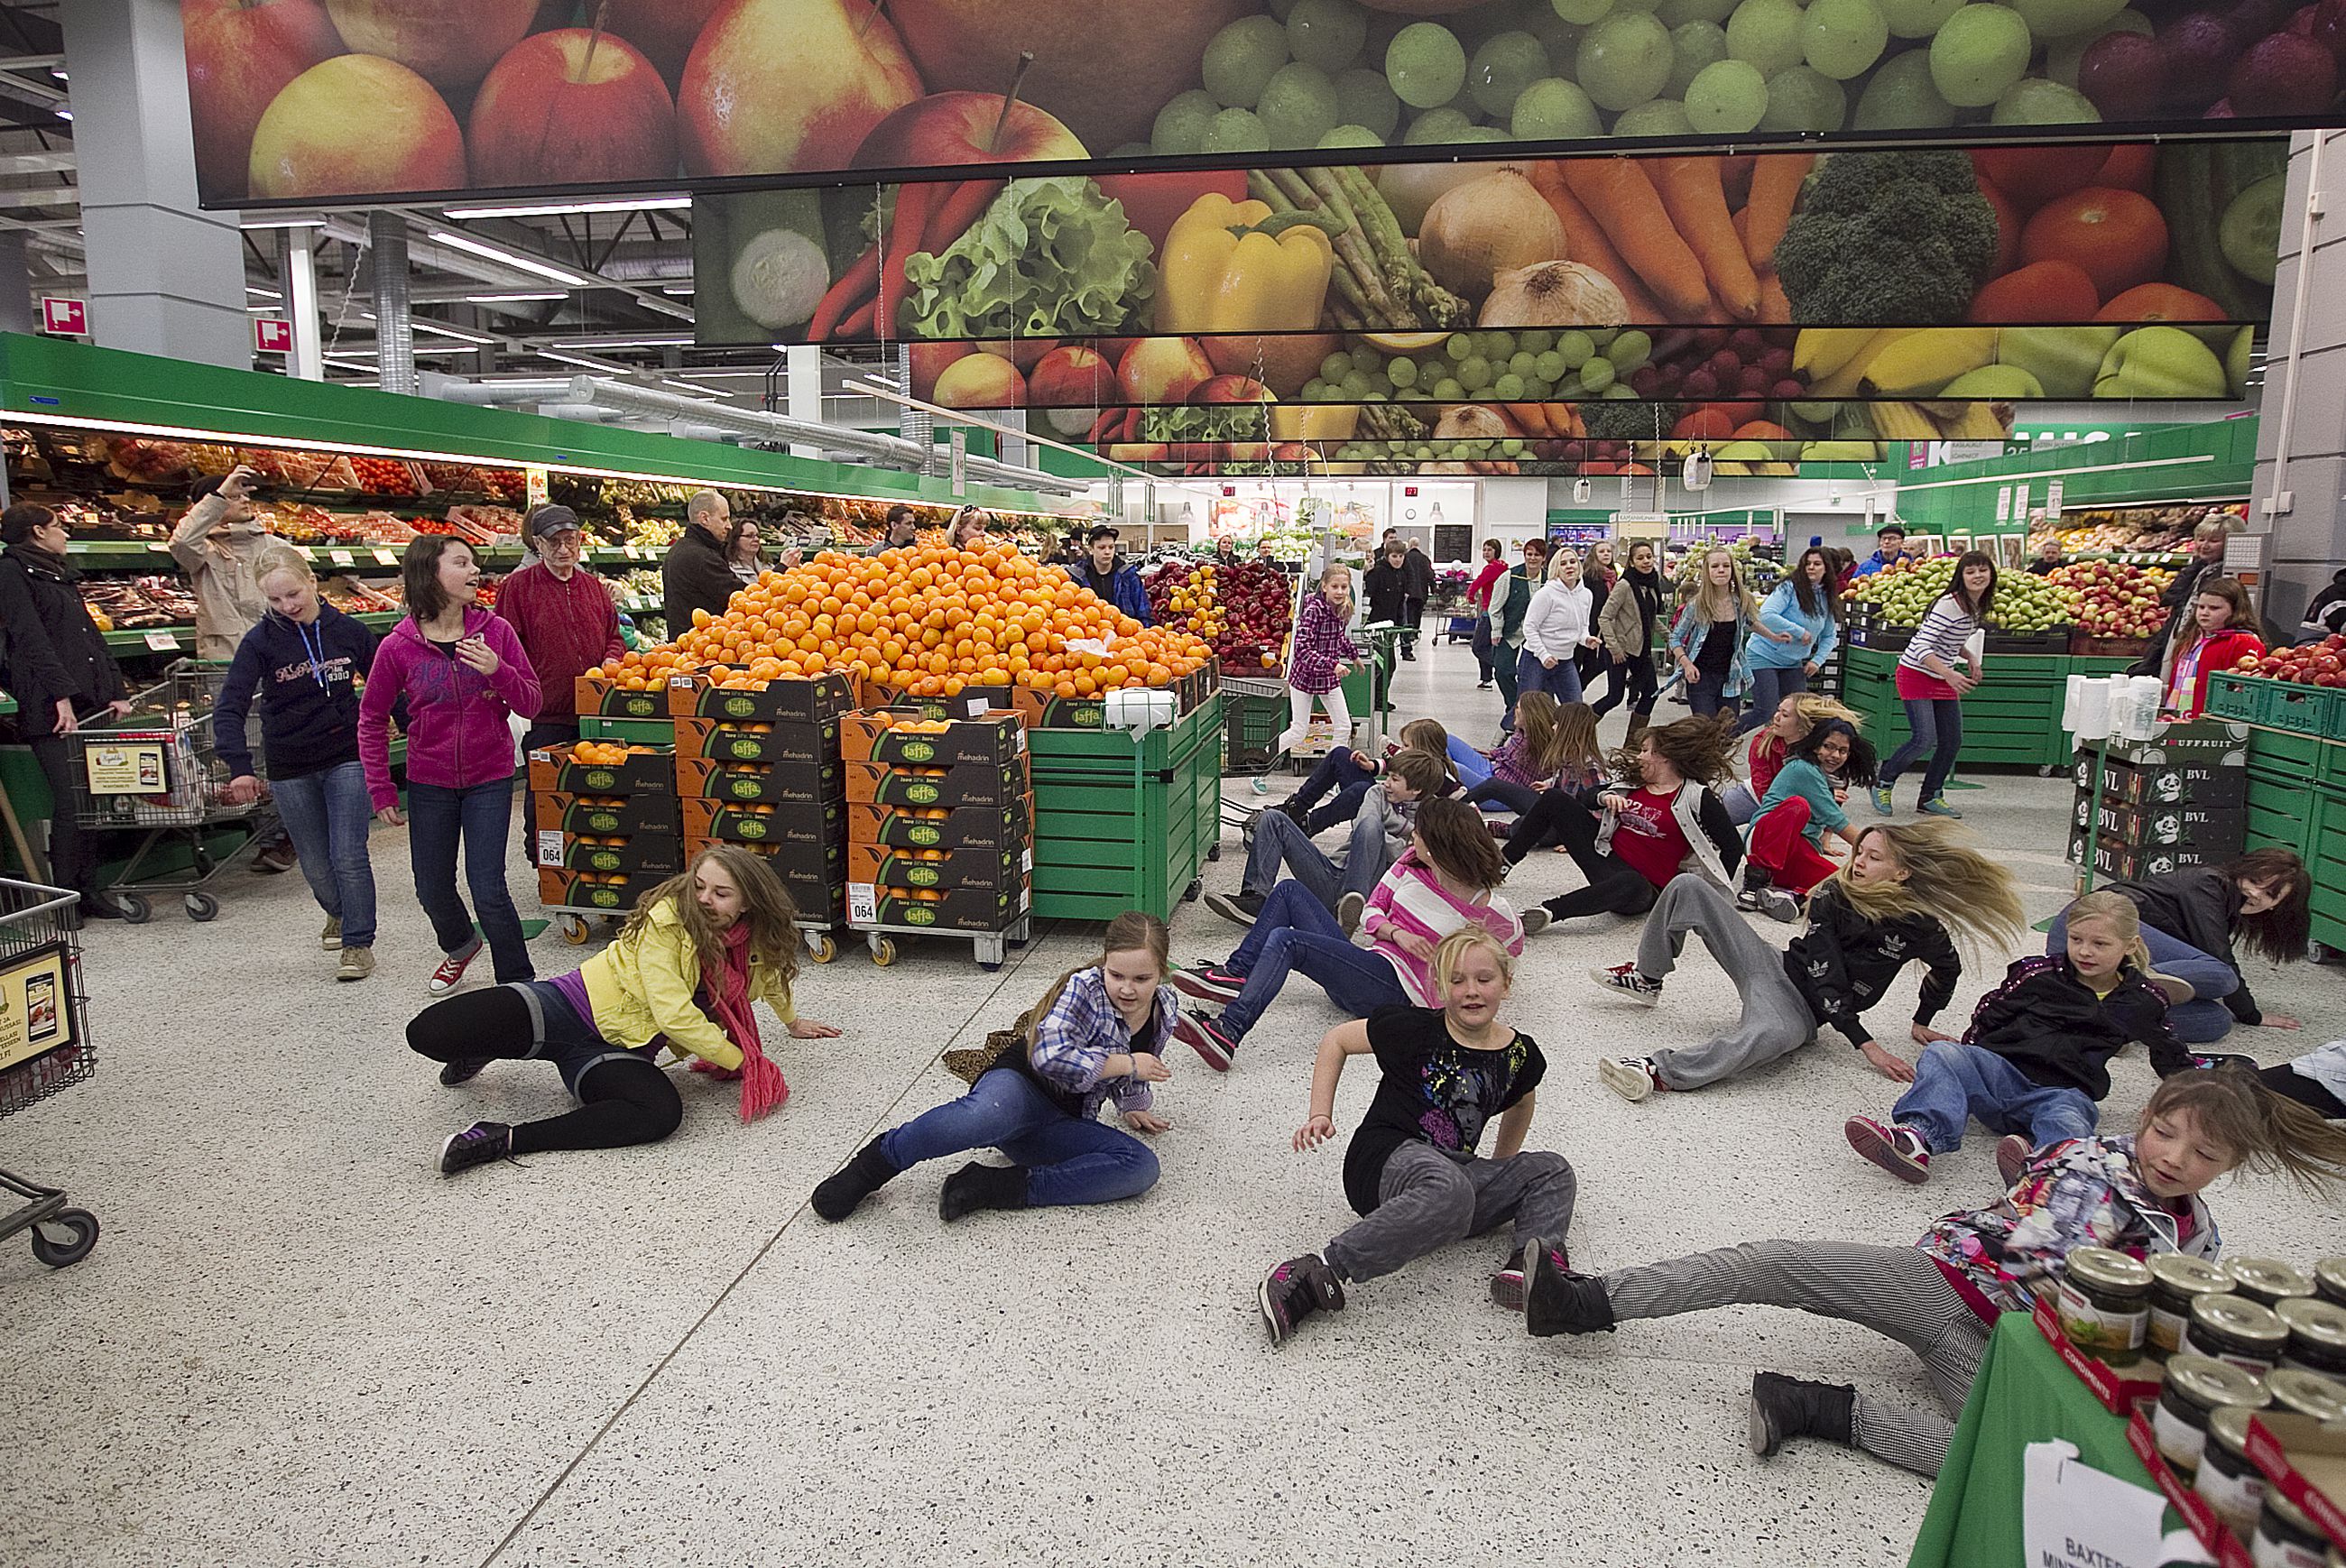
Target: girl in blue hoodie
{"x": 306, "y": 659}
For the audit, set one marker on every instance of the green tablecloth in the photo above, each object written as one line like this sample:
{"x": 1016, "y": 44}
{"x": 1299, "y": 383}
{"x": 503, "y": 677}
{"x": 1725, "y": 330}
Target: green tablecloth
{"x": 2023, "y": 1395}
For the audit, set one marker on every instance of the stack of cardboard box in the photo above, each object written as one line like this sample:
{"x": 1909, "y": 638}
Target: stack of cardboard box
{"x": 939, "y": 820}
{"x": 761, "y": 768}
{"x": 605, "y": 829}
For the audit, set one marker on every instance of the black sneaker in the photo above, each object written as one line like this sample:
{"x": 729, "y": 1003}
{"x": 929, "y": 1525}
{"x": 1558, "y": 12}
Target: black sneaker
{"x": 1295, "y": 811}
{"x": 865, "y": 1173}
{"x": 1209, "y": 983}
{"x": 464, "y": 1070}
{"x": 1239, "y": 909}
{"x": 1784, "y": 1406}
{"x": 1294, "y": 1290}
{"x": 1203, "y": 1033}
{"x": 476, "y": 1146}
{"x": 1558, "y": 1302}
{"x": 1507, "y": 1284}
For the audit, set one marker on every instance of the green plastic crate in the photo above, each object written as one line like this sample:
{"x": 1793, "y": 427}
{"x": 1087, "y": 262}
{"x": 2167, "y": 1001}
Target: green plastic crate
{"x": 2238, "y": 696}
{"x": 2289, "y": 754}
{"x": 1251, "y": 728}
{"x": 2301, "y": 709}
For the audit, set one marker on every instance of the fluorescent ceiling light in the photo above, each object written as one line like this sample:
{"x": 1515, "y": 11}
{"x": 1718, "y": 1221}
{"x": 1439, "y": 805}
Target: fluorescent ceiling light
{"x": 563, "y": 208}
{"x": 587, "y": 362}
{"x": 678, "y": 290}
{"x": 264, "y": 293}
{"x": 282, "y": 223}
{"x": 418, "y": 324}
{"x": 664, "y": 341}
{"x": 697, "y": 392}
{"x": 522, "y": 298}
{"x": 727, "y": 375}
{"x": 65, "y": 114}
{"x": 498, "y": 253}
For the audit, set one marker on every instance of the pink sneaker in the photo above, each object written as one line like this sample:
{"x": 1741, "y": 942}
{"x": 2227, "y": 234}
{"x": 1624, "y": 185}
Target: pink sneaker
{"x": 1894, "y": 1146}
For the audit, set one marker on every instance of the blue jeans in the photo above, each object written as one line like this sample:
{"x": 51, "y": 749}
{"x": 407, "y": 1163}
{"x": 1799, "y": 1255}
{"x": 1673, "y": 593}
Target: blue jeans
{"x": 479, "y": 817}
{"x": 328, "y": 815}
{"x": 1278, "y": 842}
{"x": 1068, "y": 1161}
{"x": 1294, "y": 931}
{"x": 2204, "y": 1018}
{"x": 1955, "y": 1081}
{"x": 1768, "y": 687}
{"x": 1937, "y": 727}
{"x": 1707, "y": 694}
{"x": 1340, "y": 771}
{"x": 1562, "y": 683}
{"x": 1470, "y": 766}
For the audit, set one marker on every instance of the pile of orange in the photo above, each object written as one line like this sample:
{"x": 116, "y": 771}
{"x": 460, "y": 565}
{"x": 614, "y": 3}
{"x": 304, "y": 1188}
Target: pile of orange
{"x": 927, "y": 621}
{"x": 920, "y": 725}
{"x": 643, "y": 669}
{"x": 602, "y": 754}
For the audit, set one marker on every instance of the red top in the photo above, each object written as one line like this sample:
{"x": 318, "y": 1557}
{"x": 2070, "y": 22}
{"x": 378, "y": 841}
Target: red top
{"x": 1767, "y": 758}
{"x": 1480, "y": 591}
{"x": 567, "y": 629}
{"x": 1647, "y": 835}
{"x": 2206, "y": 658}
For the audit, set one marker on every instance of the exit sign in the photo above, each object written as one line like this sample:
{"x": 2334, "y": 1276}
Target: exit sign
{"x": 68, "y": 318}
{"x": 272, "y": 335}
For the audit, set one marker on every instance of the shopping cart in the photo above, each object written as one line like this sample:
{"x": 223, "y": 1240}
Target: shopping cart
{"x": 156, "y": 768}
{"x": 44, "y": 1047}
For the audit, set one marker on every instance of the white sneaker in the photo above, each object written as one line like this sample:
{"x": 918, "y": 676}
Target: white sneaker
{"x": 1777, "y": 903}
{"x": 331, "y": 939}
{"x": 1348, "y": 912}
{"x": 1624, "y": 981}
{"x": 1535, "y": 920}
{"x": 1631, "y": 1077}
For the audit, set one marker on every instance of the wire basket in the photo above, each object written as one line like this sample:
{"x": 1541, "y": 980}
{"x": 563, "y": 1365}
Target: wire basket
{"x": 43, "y": 1043}
{"x": 158, "y": 766}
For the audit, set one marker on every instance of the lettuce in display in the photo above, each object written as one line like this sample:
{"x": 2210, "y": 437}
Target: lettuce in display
{"x": 1050, "y": 258}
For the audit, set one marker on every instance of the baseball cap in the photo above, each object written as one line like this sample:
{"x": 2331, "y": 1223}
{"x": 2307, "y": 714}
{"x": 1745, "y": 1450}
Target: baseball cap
{"x": 548, "y": 520}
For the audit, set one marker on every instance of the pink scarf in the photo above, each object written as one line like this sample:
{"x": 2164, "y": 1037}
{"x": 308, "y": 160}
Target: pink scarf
{"x": 762, "y": 1087}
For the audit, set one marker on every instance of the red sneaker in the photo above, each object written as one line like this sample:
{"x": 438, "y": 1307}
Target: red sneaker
{"x": 1894, "y": 1146}
{"x": 451, "y": 972}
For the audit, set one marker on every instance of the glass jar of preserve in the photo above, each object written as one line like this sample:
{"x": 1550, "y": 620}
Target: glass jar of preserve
{"x": 2103, "y": 1303}
{"x": 2286, "y": 1538}
{"x": 2298, "y": 1392}
{"x": 2317, "y": 1336}
{"x": 2236, "y": 1329}
{"x": 2177, "y": 1280}
{"x": 2233, "y": 1488}
{"x": 2267, "y": 1280}
{"x": 2194, "y": 1387}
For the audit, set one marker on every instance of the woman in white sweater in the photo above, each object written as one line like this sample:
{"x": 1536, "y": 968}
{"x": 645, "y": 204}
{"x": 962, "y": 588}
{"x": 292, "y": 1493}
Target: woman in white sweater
{"x": 1556, "y": 628}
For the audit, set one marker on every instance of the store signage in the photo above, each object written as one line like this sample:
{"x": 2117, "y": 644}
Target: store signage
{"x": 37, "y": 1012}
{"x": 2003, "y": 504}
{"x": 343, "y": 558}
{"x": 66, "y": 318}
{"x": 535, "y": 486}
{"x": 272, "y": 335}
{"x": 961, "y": 462}
{"x": 386, "y": 558}
{"x": 2053, "y": 497}
{"x": 162, "y": 641}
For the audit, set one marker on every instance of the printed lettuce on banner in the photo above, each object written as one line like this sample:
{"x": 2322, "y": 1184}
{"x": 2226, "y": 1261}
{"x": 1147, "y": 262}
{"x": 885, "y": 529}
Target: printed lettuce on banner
{"x": 313, "y": 100}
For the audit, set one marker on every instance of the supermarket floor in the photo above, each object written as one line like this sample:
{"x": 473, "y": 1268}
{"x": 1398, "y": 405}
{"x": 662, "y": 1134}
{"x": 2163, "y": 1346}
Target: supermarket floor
{"x": 297, "y": 1344}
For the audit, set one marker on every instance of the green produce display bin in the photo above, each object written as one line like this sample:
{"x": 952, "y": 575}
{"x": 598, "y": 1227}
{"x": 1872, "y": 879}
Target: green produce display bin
{"x": 2297, "y": 802}
{"x": 1114, "y": 831}
{"x": 2012, "y": 720}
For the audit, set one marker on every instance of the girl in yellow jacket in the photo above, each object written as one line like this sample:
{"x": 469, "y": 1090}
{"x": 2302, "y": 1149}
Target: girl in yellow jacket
{"x": 699, "y": 950}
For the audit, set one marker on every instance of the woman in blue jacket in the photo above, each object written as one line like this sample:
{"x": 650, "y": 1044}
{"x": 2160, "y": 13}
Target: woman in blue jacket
{"x": 306, "y": 659}
{"x": 1803, "y": 608}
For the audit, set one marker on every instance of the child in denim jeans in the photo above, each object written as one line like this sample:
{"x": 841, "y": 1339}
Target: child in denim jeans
{"x": 2035, "y": 1066}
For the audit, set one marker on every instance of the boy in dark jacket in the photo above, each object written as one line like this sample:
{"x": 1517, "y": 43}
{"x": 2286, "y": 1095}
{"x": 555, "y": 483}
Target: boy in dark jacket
{"x": 2035, "y": 1063}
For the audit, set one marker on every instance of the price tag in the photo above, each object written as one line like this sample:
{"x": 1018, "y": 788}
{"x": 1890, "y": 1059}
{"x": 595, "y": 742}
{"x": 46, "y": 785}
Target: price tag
{"x": 633, "y": 554}
{"x": 862, "y": 903}
{"x": 344, "y": 558}
{"x": 385, "y": 558}
{"x": 162, "y": 642}
{"x": 161, "y": 547}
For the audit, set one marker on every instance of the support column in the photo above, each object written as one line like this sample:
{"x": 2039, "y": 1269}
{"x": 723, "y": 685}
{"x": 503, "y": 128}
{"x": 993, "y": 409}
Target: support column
{"x": 394, "y": 313}
{"x": 802, "y": 389}
{"x": 2299, "y": 490}
{"x": 165, "y": 277}
{"x": 307, "y": 363}
{"x": 15, "y": 285}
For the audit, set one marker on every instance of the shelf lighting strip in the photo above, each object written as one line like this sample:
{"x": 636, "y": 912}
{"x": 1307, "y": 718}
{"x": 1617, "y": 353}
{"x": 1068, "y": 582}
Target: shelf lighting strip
{"x": 469, "y": 459}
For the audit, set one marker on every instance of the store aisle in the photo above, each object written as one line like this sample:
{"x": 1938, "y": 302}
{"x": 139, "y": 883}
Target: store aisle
{"x": 296, "y": 1343}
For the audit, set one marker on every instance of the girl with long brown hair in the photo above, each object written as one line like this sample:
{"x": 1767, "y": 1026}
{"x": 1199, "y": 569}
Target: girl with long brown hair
{"x": 1932, "y": 688}
{"x": 2221, "y": 630}
{"x": 1800, "y": 623}
{"x": 1097, "y": 1036}
{"x": 686, "y": 970}
{"x": 2193, "y": 920}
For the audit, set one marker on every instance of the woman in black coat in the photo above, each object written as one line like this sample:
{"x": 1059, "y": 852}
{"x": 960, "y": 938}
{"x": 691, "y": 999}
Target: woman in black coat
{"x": 59, "y": 671}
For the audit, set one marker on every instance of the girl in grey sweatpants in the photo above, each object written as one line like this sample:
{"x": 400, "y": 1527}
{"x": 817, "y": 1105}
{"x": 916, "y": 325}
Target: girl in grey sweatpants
{"x": 1776, "y": 1018}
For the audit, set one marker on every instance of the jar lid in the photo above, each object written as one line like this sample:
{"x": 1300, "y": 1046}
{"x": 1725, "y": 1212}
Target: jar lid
{"x": 2277, "y": 1504}
{"x": 2269, "y": 1277}
{"x": 2322, "y": 1323}
{"x": 2209, "y": 1383}
{"x": 2192, "y": 1276}
{"x": 2307, "y": 1393}
{"x": 2331, "y": 1271}
{"x": 2240, "y": 1317}
{"x": 2229, "y": 1425}
{"x": 2107, "y": 1269}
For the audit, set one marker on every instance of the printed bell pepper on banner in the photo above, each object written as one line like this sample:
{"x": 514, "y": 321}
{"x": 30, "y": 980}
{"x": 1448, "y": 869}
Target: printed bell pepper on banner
{"x": 1232, "y": 266}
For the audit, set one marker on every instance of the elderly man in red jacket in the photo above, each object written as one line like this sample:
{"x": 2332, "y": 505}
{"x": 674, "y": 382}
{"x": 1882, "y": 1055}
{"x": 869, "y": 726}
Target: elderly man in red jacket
{"x": 567, "y": 623}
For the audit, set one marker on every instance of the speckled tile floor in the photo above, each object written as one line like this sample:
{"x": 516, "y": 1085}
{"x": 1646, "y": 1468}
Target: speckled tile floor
{"x": 297, "y": 1344}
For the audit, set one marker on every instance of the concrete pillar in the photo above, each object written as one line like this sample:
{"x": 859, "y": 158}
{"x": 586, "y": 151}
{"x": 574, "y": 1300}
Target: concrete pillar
{"x": 165, "y": 277}
{"x": 307, "y": 363}
{"x": 2299, "y": 490}
{"x": 15, "y": 285}
{"x": 802, "y": 389}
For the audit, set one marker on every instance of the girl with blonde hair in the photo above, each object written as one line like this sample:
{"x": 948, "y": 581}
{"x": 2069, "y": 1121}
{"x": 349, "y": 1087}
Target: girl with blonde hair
{"x": 1708, "y": 640}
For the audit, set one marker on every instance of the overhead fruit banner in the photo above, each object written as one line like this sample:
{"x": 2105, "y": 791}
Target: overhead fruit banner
{"x": 2068, "y": 234}
{"x": 315, "y": 101}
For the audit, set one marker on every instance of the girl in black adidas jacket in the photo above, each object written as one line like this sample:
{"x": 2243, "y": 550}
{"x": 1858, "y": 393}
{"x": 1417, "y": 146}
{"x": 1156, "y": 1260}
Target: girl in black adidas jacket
{"x": 1891, "y": 905}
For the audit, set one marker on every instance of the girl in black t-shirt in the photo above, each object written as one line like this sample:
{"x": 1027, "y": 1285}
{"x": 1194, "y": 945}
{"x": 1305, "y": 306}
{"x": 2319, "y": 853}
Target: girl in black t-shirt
{"x": 1412, "y": 1172}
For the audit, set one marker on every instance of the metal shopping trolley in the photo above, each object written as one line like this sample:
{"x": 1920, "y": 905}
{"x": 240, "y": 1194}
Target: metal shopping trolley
{"x": 156, "y": 768}
{"x": 44, "y": 1047}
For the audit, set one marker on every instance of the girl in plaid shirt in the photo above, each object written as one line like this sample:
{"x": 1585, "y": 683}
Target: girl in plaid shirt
{"x": 1097, "y": 1036}
{"x": 1315, "y": 669}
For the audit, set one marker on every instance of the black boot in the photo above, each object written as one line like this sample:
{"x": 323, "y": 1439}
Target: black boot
{"x": 865, "y": 1173}
{"x": 1784, "y": 1406}
{"x": 1555, "y": 1300}
{"x": 976, "y": 1186}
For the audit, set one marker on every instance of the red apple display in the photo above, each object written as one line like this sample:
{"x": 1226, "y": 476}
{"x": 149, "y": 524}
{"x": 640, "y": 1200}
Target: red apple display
{"x": 1071, "y": 376}
{"x": 240, "y": 55}
{"x": 967, "y": 127}
{"x": 778, "y": 85}
{"x": 665, "y": 30}
{"x": 929, "y": 362}
{"x": 1103, "y": 67}
{"x": 571, "y": 106}
{"x": 451, "y": 44}
{"x": 1163, "y": 369}
{"x": 310, "y": 144}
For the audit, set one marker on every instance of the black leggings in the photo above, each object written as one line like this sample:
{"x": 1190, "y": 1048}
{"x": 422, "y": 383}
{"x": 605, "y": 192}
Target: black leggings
{"x": 1633, "y": 680}
{"x": 1614, "y": 886}
{"x": 623, "y": 1100}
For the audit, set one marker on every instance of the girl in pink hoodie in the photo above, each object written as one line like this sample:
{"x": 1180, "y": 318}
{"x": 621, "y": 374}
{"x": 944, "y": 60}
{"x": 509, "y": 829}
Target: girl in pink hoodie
{"x": 461, "y": 671}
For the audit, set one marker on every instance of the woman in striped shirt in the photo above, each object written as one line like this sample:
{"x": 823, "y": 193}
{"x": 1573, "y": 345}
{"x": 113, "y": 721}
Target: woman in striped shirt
{"x": 1445, "y": 880}
{"x": 1932, "y": 688}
